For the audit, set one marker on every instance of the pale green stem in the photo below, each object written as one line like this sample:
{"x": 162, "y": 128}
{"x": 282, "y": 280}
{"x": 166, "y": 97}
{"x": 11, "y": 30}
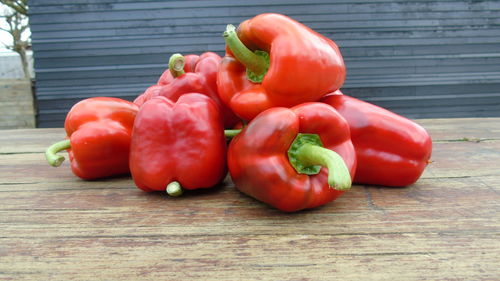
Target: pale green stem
{"x": 255, "y": 63}
{"x": 54, "y": 159}
{"x": 231, "y": 133}
{"x": 338, "y": 174}
{"x": 176, "y": 65}
{"x": 174, "y": 189}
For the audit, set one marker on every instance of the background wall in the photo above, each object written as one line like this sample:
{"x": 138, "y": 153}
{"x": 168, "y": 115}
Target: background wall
{"x": 16, "y": 97}
{"x": 417, "y": 58}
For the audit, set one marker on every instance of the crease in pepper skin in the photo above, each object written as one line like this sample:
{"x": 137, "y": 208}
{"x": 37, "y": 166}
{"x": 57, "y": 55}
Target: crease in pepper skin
{"x": 98, "y": 140}
{"x": 178, "y": 145}
{"x": 190, "y": 74}
{"x": 392, "y": 150}
{"x": 301, "y": 65}
{"x": 259, "y": 163}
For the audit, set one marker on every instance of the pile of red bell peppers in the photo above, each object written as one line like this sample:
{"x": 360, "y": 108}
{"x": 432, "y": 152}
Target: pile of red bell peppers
{"x": 270, "y": 112}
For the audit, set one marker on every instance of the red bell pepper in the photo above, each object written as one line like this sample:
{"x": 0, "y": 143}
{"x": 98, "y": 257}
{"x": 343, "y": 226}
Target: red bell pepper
{"x": 178, "y": 144}
{"x": 190, "y": 74}
{"x": 273, "y": 60}
{"x": 99, "y": 133}
{"x": 293, "y": 158}
{"x": 391, "y": 149}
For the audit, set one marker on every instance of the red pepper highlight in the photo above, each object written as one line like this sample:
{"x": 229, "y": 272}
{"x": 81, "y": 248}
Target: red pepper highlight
{"x": 272, "y": 60}
{"x": 295, "y": 158}
{"x": 392, "y": 150}
{"x": 178, "y": 144}
{"x": 99, "y": 133}
{"x": 190, "y": 74}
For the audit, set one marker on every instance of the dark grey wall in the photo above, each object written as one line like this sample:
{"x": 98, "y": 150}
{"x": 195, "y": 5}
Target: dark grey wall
{"x": 417, "y": 58}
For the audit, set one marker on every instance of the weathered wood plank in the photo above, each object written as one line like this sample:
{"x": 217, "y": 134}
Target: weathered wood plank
{"x": 55, "y": 226}
{"x": 446, "y": 241}
{"x": 16, "y": 104}
{"x": 262, "y": 257}
{"x": 118, "y": 209}
{"x": 28, "y": 142}
{"x": 462, "y": 129}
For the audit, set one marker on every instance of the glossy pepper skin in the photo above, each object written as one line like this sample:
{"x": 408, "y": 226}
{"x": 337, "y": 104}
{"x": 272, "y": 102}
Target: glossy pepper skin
{"x": 99, "y": 132}
{"x": 302, "y": 65}
{"x": 259, "y": 164}
{"x": 178, "y": 142}
{"x": 391, "y": 149}
{"x": 190, "y": 74}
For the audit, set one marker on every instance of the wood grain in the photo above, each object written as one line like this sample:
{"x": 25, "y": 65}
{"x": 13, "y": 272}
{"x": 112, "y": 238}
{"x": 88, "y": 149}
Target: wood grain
{"x": 425, "y": 58}
{"x": 16, "y": 104}
{"x": 444, "y": 227}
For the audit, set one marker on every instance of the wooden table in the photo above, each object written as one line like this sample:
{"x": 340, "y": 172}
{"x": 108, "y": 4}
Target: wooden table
{"x": 54, "y": 226}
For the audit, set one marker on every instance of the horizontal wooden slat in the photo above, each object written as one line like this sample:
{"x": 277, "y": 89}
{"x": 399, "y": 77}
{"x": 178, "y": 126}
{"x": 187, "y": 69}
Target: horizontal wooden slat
{"x": 476, "y": 48}
{"x": 118, "y": 48}
{"x": 205, "y": 3}
{"x": 393, "y": 65}
{"x": 153, "y": 9}
{"x": 343, "y": 29}
{"x": 432, "y": 18}
{"x": 446, "y": 107}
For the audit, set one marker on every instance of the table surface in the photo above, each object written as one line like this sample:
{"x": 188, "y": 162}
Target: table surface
{"x": 446, "y": 226}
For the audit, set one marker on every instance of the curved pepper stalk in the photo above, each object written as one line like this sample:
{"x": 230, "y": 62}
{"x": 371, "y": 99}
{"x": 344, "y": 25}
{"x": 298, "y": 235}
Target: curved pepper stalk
{"x": 293, "y": 158}
{"x": 274, "y": 61}
{"x": 98, "y": 133}
{"x": 51, "y": 155}
{"x": 307, "y": 155}
{"x": 257, "y": 62}
{"x": 186, "y": 74}
{"x": 176, "y": 65}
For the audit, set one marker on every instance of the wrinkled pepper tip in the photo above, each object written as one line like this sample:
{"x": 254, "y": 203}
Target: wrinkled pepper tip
{"x": 174, "y": 189}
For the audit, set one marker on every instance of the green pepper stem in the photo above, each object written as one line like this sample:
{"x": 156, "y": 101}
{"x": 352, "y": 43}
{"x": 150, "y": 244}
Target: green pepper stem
{"x": 255, "y": 62}
{"x": 176, "y": 65}
{"x": 54, "y": 159}
{"x": 231, "y": 133}
{"x": 338, "y": 174}
{"x": 174, "y": 189}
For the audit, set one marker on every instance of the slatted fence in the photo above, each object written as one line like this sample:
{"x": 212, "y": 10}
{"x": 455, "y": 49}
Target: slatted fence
{"x": 417, "y": 58}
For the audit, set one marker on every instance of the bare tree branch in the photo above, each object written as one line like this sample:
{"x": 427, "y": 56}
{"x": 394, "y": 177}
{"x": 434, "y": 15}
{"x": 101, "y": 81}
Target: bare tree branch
{"x": 17, "y": 24}
{"x": 7, "y": 46}
{"x": 18, "y": 6}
